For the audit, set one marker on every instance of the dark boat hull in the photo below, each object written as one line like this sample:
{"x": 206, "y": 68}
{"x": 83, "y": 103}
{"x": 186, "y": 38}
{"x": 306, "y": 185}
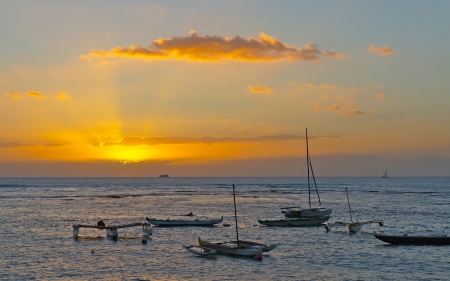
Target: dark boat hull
{"x": 414, "y": 240}
{"x": 171, "y": 223}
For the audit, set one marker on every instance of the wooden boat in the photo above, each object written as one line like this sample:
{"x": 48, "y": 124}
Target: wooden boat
{"x": 299, "y": 222}
{"x": 298, "y": 212}
{"x": 170, "y": 223}
{"x": 385, "y": 176}
{"x": 352, "y": 226}
{"x": 413, "y": 240}
{"x": 238, "y": 247}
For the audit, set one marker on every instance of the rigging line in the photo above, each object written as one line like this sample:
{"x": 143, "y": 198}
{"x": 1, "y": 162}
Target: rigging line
{"x": 235, "y": 216}
{"x": 312, "y": 171}
{"x": 307, "y": 166}
{"x": 348, "y": 200}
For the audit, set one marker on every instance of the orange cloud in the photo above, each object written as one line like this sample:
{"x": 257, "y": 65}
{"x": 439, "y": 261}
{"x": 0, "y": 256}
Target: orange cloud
{"x": 382, "y": 51}
{"x": 348, "y": 114}
{"x": 310, "y": 85}
{"x": 36, "y": 95}
{"x": 327, "y": 86}
{"x": 333, "y": 107}
{"x": 155, "y": 141}
{"x": 14, "y": 95}
{"x": 297, "y": 87}
{"x": 380, "y": 96}
{"x": 152, "y": 141}
{"x": 260, "y": 89}
{"x": 216, "y": 48}
{"x": 346, "y": 107}
{"x": 63, "y": 96}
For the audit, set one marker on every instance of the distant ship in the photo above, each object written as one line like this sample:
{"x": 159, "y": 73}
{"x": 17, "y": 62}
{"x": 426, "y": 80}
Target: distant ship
{"x": 163, "y": 176}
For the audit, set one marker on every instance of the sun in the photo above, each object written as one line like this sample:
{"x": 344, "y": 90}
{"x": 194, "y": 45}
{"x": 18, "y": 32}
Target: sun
{"x": 129, "y": 154}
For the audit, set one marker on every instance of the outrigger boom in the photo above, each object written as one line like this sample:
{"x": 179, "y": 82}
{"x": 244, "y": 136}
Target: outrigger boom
{"x": 111, "y": 230}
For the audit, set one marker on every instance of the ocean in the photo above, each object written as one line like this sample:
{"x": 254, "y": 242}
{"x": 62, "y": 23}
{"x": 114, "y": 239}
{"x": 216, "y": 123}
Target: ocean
{"x": 37, "y": 214}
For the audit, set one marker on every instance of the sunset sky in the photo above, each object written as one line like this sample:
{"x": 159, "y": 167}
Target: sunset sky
{"x": 224, "y": 88}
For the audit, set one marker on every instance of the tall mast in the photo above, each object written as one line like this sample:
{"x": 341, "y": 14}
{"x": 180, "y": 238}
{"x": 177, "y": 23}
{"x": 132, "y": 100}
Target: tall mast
{"x": 307, "y": 165}
{"x": 235, "y": 217}
{"x": 348, "y": 200}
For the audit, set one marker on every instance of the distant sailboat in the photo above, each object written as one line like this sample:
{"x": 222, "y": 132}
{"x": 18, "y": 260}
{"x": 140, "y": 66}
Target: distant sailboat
{"x": 385, "y": 176}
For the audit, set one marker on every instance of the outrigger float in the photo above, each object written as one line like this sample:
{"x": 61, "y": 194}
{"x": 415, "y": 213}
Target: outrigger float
{"x": 111, "y": 230}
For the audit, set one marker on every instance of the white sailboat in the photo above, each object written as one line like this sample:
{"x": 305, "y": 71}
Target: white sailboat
{"x": 238, "y": 247}
{"x": 385, "y": 176}
{"x": 298, "y": 212}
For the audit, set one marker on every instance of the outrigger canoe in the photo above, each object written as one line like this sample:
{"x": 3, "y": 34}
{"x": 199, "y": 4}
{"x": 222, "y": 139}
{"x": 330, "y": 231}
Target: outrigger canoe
{"x": 196, "y": 222}
{"x": 413, "y": 240}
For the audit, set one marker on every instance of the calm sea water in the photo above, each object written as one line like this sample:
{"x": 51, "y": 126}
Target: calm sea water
{"x": 36, "y": 217}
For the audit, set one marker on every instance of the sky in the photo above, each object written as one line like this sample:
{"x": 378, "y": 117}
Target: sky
{"x": 224, "y": 88}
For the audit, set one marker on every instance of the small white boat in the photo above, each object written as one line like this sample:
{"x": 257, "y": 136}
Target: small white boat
{"x": 385, "y": 176}
{"x": 354, "y": 227}
{"x": 196, "y": 222}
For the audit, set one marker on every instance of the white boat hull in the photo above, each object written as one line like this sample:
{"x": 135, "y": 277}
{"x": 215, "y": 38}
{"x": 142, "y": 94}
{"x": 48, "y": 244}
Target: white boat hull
{"x": 224, "y": 250}
{"x": 242, "y": 243}
{"x": 247, "y": 252}
{"x": 354, "y": 227}
{"x": 200, "y": 252}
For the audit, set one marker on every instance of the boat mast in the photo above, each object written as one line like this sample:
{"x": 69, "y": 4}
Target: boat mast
{"x": 348, "y": 200}
{"x": 235, "y": 217}
{"x": 307, "y": 165}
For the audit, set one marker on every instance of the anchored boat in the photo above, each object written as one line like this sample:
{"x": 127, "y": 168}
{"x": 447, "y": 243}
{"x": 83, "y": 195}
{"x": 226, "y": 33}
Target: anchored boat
{"x": 196, "y": 222}
{"x": 297, "y": 212}
{"x": 238, "y": 247}
{"x": 413, "y": 240}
